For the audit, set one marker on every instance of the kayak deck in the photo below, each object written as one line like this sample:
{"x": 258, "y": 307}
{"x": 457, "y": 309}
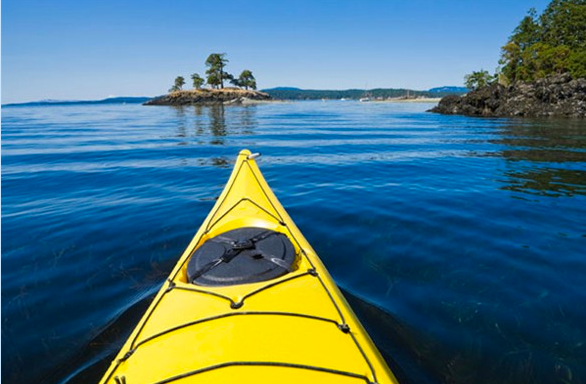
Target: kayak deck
{"x": 287, "y": 329}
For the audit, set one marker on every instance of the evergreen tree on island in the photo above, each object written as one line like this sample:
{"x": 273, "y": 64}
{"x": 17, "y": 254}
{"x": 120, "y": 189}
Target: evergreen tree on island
{"x": 197, "y": 81}
{"x": 216, "y": 75}
{"x": 542, "y": 45}
{"x": 542, "y": 69}
{"x": 179, "y": 83}
{"x": 247, "y": 80}
{"x": 478, "y": 79}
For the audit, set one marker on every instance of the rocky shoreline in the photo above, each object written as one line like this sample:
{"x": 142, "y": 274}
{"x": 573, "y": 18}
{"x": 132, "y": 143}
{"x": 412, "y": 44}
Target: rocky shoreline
{"x": 209, "y": 97}
{"x": 553, "y": 96}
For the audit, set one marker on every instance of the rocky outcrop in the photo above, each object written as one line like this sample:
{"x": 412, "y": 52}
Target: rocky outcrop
{"x": 208, "y": 97}
{"x": 553, "y": 96}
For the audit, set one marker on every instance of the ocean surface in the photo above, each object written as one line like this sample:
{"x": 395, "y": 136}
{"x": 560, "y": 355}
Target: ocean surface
{"x": 460, "y": 242}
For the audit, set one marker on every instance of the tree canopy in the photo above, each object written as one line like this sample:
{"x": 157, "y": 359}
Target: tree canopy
{"x": 478, "y": 79}
{"x": 554, "y": 42}
{"x": 247, "y": 80}
{"x": 178, "y": 85}
{"x": 541, "y": 45}
{"x": 216, "y": 75}
{"x": 197, "y": 81}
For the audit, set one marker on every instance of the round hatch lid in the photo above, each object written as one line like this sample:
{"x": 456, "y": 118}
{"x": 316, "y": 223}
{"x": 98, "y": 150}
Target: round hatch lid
{"x": 240, "y": 256}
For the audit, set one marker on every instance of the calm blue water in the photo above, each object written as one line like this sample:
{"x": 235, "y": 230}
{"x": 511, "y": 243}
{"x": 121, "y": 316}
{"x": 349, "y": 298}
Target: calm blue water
{"x": 460, "y": 242}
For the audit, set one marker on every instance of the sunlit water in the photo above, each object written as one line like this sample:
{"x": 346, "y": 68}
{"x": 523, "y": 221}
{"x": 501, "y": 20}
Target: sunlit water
{"x": 460, "y": 242}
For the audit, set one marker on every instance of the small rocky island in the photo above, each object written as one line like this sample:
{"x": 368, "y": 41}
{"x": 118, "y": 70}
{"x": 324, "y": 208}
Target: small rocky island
{"x": 243, "y": 92}
{"x": 552, "y": 96}
{"x": 210, "y": 97}
{"x": 541, "y": 73}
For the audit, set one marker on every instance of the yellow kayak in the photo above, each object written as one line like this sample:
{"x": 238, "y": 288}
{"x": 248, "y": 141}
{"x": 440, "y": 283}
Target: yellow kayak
{"x": 248, "y": 302}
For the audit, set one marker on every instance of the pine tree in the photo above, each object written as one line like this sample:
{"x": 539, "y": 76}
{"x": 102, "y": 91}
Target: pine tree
{"x": 247, "y": 80}
{"x": 216, "y": 75}
{"x": 197, "y": 81}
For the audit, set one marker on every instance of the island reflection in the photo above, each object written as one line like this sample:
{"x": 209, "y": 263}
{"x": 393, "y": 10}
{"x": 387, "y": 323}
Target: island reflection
{"x": 214, "y": 122}
{"x": 532, "y": 148}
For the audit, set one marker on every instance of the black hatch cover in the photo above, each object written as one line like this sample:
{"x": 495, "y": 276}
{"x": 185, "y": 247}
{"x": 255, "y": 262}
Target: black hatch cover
{"x": 240, "y": 256}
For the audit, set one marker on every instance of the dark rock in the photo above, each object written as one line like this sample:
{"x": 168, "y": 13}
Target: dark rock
{"x": 208, "y": 97}
{"x": 553, "y": 96}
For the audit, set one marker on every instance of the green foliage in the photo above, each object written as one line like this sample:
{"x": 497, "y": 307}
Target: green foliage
{"x": 524, "y": 36}
{"x": 197, "y": 81}
{"x": 478, "y": 79}
{"x": 577, "y": 64}
{"x": 554, "y": 42}
{"x": 179, "y": 83}
{"x": 528, "y": 32}
{"x": 235, "y": 81}
{"x": 213, "y": 80}
{"x": 542, "y": 59}
{"x": 564, "y": 23}
{"x": 216, "y": 75}
{"x": 247, "y": 80}
{"x": 230, "y": 78}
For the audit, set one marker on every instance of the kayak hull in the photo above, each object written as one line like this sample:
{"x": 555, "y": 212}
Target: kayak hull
{"x": 293, "y": 328}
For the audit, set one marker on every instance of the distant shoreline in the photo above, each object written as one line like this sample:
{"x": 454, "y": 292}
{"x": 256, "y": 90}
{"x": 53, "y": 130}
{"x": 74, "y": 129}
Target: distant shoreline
{"x": 237, "y": 101}
{"x": 374, "y": 94}
{"x": 415, "y": 100}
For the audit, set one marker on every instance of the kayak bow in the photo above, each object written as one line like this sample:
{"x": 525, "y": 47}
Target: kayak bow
{"x": 248, "y": 302}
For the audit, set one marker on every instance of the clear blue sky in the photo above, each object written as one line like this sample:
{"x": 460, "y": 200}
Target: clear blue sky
{"x": 74, "y": 49}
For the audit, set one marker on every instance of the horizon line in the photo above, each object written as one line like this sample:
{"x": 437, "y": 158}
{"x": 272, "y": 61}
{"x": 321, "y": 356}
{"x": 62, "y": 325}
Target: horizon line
{"x": 57, "y": 101}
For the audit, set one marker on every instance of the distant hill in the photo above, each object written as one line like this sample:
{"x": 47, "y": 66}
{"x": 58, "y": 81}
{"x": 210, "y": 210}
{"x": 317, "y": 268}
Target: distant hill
{"x": 449, "y": 89}
{"x": 291, "y": 93}
{"x": 111, "y": 100}
{"x": 283, "y": 89}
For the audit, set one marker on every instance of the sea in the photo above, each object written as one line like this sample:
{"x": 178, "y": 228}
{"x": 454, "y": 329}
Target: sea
{"x": 460, "y": 242}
